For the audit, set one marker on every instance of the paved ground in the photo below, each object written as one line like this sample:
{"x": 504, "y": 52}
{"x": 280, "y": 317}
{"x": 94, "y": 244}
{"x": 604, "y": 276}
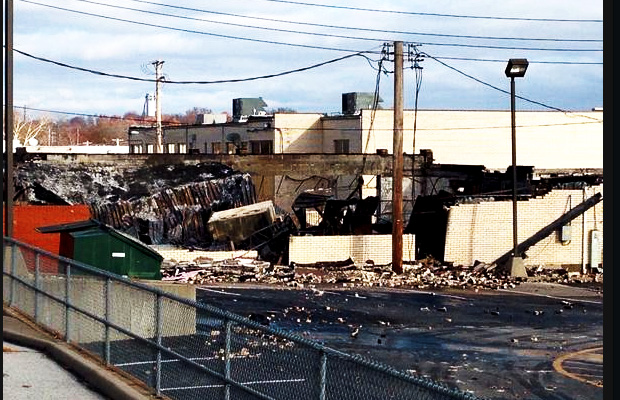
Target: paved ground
{"x": 495, "y": 344}
{"x": 39, "y": 366}
{"x": 30, "y": 374}
{"x": 529, "y": 342}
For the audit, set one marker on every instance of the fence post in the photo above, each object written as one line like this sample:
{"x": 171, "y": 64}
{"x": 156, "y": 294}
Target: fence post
{"x": 227, "y": 346}
{"x": 37, "y": 287}
{"x": 108, "y": 286}
{"x": 158, "y": 332}
{"x": 323, "y": 376}
{"x": 13, "y": 272}
{"x": 67, "y": 302}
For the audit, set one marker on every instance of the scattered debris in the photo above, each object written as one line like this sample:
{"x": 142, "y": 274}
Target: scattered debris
{"x": 349, "y": 274}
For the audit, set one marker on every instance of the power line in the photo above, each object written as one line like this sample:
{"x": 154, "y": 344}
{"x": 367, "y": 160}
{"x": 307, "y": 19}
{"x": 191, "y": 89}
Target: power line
{"x": 296, "y": 32}
{"x": 361, "y": 28}
{"x": 435, "y": 14}
{"x": 181, "y": 125}
{"x": 77, "y": 114}
{"x": 282, "y": 74}
{"x": 499, "y": 89}
{"x": 531, "y": 62}
{"x": 306, "y": 46}
{"x": 133, "y": 78}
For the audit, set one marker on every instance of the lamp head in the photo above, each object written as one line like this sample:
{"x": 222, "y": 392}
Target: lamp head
{"x": 516, "y": 67}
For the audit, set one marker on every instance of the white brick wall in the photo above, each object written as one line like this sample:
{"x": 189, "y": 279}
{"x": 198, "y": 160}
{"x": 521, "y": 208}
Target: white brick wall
{"x": 483, "y": 231}
{"x": 312, "y": 249}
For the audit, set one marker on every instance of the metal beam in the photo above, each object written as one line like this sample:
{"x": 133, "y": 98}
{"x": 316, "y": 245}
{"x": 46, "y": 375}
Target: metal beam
{"x": 553, "y": 226}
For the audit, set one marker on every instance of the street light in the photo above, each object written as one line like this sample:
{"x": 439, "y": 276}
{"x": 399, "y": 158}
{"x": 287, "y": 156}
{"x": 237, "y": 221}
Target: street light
{"x": 515, "y": 69}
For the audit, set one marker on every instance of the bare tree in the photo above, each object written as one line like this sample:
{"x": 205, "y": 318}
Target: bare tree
{"x": 25, "y": 129}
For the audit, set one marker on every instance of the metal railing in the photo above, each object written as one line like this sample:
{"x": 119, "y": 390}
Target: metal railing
{"x": 188, "y": 350}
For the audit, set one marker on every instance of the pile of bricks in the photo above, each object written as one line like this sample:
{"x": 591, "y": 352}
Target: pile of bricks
{"x": 204, "y": 270}
{"x": 420, "y": 275}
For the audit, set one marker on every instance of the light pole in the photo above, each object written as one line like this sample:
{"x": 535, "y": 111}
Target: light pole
{"x": 515, "y": 69}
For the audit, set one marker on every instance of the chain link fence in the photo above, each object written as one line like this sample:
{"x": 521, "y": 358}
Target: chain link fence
{"x": 188, "y": 350}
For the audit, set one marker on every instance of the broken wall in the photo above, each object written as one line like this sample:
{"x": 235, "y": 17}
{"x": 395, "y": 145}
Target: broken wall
{"x": 482, "y": 231}
{"x": 360, "y": 248}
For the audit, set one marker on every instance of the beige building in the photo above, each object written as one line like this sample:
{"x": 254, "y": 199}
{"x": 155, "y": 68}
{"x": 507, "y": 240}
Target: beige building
{"x": 545, "y": 139}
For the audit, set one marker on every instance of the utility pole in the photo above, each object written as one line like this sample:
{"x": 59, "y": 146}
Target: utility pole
{"x": 397, "y": 165}
{"x": 158, "y": 77}
{"x": 8, "y": 116}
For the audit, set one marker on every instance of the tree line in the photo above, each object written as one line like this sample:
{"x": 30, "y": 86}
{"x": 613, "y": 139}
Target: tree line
{"x": 87, "y": 130}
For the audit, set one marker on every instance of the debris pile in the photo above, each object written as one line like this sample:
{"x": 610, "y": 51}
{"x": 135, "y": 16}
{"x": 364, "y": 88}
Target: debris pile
{"x": 347, "y": 273}
{"x": 205, "y": 270}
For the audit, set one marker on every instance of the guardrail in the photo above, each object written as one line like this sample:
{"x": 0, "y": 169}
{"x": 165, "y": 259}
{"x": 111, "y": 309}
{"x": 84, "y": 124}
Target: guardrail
{"x": 153, "y": 335}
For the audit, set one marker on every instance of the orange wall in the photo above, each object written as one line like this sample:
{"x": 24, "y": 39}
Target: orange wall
{"x": 26, "y": 218}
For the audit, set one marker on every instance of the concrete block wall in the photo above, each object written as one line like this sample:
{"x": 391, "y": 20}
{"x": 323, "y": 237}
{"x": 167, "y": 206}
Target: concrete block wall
{"x": 360, "y": 248}
{"x": 483, "y": 231}
{"x": 131, "y": 308}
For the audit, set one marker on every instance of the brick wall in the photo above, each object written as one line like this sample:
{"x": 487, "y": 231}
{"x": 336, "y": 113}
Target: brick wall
{"x": 483, "y": 231}
{"x": 26, "y": 218}
{"x": 312, "y": 249}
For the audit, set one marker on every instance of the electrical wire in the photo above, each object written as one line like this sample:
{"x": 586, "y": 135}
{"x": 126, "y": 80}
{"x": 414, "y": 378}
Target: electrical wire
{"x": 418, "y": 85}
{"x": 375, "y": 105}
{"x": 133, "y": 78}
{"x": 531, "y": 61}
{"x": 181, "y": 125}
{"x": 436, "y": 14}
{"x": 502, "y": 90}
{"x": 306, "y": 46}
{"x": 299, "y": 32}
{"x": 359, "y": 28}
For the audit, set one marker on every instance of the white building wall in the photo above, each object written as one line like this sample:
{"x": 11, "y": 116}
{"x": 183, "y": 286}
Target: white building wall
{"x": 545, "y": 139}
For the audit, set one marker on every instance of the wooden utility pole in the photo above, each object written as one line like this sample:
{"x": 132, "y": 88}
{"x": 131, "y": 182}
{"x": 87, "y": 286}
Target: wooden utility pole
{"x": 397, "y": 168}
{"x": 158, "y": 129}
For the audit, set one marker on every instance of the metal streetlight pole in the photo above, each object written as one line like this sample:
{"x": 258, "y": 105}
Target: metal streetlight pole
{"x": 515, "y": 69}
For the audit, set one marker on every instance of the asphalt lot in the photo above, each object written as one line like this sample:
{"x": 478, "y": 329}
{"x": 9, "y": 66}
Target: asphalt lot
{"x": 494, "y": 344}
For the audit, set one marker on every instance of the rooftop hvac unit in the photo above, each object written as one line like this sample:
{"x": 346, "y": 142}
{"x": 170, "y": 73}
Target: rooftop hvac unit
{"x": 244, "y": 107}
{"x": 353, "y": 102}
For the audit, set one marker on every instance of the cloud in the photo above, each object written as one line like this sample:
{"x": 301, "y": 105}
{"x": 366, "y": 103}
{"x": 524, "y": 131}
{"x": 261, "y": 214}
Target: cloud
{"x": 128, "y": 48}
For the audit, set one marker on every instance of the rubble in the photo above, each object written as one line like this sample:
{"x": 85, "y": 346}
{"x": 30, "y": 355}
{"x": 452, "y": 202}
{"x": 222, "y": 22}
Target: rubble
{"x": 349, "y": 274}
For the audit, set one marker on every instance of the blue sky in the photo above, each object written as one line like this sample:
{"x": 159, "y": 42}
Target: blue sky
{"x": 466, "y": 45}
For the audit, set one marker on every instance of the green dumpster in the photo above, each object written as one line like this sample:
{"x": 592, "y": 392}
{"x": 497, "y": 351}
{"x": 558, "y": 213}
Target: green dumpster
{"x": 101, "y": 246}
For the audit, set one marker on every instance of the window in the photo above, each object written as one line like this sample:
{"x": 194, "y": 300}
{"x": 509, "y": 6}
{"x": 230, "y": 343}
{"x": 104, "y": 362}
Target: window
{"x": 261, "y": 146}
{"x": 182, "y": 148}
{"x": 172, "y": 148}
{"x": 149, "y": 149}
{"x": 341, "y": 146}
{"x": 216, "y": 147}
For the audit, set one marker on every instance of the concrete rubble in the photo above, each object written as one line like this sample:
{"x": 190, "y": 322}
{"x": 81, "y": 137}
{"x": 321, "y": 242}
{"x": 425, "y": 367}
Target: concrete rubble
{"x": 422, "y": 275}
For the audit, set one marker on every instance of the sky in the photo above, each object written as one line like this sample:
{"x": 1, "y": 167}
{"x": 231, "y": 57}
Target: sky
{"x": 463, "y": 48}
